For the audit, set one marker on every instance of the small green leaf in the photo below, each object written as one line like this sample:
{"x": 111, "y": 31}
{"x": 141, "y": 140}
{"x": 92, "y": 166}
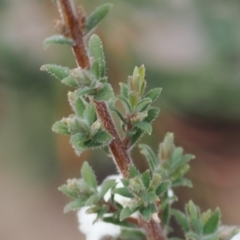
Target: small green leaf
{"x": 192, "y": 210}
{"x": 146, "y": 213}
{"x": 153, "y": 94}
{"x": 96, "y": 16}
{"x": 88, "y": 175}
{"x": 105, "y": 93}
{"x": 125, "y": 103}
{"x": 67, "y": 191}
{"x": 80, "y": 107}
{"x": 143, "y": 104}
{"x": 146, "y": 178}
{"x": 133, "y": 172}
{"x": 151, "y": 197}
{"x": 119, "y": 115}
{"x": 74, "y": 205}
{"x": 166, "y": 215}
{"x": 155, "y": 182}
{"x": 126, "y": 212}
{"x": 96, "y": 52}
{"x": 106, "y": 185}
{"x": 197, "y": 225}
{"x": 123, "y": 191}
{"x": 78, "y": 143}
{"x": 212, "y": 224}
{"x": 184, "y": 182}
{"x": 180, "y": 172}
{"x": 102, "y": 137}
{"x": 60, "y": 127}
{"x": 70, "y": 81}
{"x": 84, "y": 91}
{"x": 181, "y": 219}
{"x": 152, "y": 114}
{"x": 125, "y": 182}
{"x": 90, "y": 114}
{"x": 145, "y": 126}
{"x": 164, "y": 186}
{"x": 93, "y": 199}
{"x": 77, "y": 125}
{"x": 133, "y": 234}
{"x": 124, "y": 90}
{"x": 57, "y": 71}
{"x": 150, "y": 156}
{"x": 57, "y": 39}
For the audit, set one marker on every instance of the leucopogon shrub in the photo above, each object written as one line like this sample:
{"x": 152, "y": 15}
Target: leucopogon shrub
{"x": 131, "y": 205}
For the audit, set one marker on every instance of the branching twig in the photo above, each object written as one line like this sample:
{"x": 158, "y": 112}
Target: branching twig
{"x": 118, "y": 149}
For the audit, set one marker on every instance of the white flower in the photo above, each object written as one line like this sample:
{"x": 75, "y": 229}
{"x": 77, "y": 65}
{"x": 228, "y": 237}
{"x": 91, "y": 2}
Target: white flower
{"x": 236, "y": 237}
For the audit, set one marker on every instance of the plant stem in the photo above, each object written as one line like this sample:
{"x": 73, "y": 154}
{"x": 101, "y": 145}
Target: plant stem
{"x": 117, "y": 147}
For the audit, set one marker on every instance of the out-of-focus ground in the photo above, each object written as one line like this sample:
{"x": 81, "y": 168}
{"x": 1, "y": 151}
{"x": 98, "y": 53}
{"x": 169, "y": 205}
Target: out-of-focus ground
{"x": 190, "y": 48}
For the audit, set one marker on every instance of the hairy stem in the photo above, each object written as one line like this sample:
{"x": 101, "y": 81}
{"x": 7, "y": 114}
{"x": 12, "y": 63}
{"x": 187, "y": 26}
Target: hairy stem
{"x": 117, "y": 147}
{"x": 152, "y": 229}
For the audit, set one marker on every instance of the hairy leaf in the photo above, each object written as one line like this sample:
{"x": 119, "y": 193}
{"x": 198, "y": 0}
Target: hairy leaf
{"x": 150, "y": 156}
{"x": 88, "y": 175}
{"x": 60, "y": 127}
{"x": 212, "y": 224}
{"x": 57, "y": 71}
{"x": 57, "y": 39}
{"x": 153, "y": 94}
{"x": 96, "y": 52}
{"x": 106, "y": 185}
{"x": 74, "y": 205}
{"x": 181, "y": 219}
{"x": 96, "y": 16}
{"x": 126, "y": 212}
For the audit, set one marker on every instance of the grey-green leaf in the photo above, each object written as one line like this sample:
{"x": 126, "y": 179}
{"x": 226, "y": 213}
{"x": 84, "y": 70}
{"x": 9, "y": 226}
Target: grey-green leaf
{"x": 212, "y": 224}
{"x": 106, "y": 185}
{"x": 57, "y": 71}
{"x": 133, "y": 172}
{"x": 153, "y": 94}
{"x": 102, "y": 137}
{"x": 105, "y": 93}
{"x": 145, "y": 126}
{"x": 96, "y": 16}
{"x": 146, "y": 178}
{"x": 88, "y": 175}
{"x": 164, "y": 186}
{"x": 151, "y": 158}
{"x": 123, "y": 191}
{"x": 61, "y": 128}
{"x": 126, "y": 212}
{"x": 57, "y": 39}
{"x": 96, "y": 52}
{"x": 70, "y": 81}
{"x": 80, "y": 107}
{"x": 90, "y": 114}
{"x": 181, "y": 219}
{"x": 74, "y": 205}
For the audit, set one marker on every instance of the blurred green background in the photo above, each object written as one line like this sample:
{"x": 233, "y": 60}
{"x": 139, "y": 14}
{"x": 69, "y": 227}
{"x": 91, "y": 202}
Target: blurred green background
{"x": 190, "y": 48}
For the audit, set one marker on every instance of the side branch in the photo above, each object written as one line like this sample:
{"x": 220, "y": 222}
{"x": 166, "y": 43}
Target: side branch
{"x": 117, "y": 146}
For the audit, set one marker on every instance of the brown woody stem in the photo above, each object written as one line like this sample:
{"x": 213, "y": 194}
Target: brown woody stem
{"x": 117, "y": 147}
